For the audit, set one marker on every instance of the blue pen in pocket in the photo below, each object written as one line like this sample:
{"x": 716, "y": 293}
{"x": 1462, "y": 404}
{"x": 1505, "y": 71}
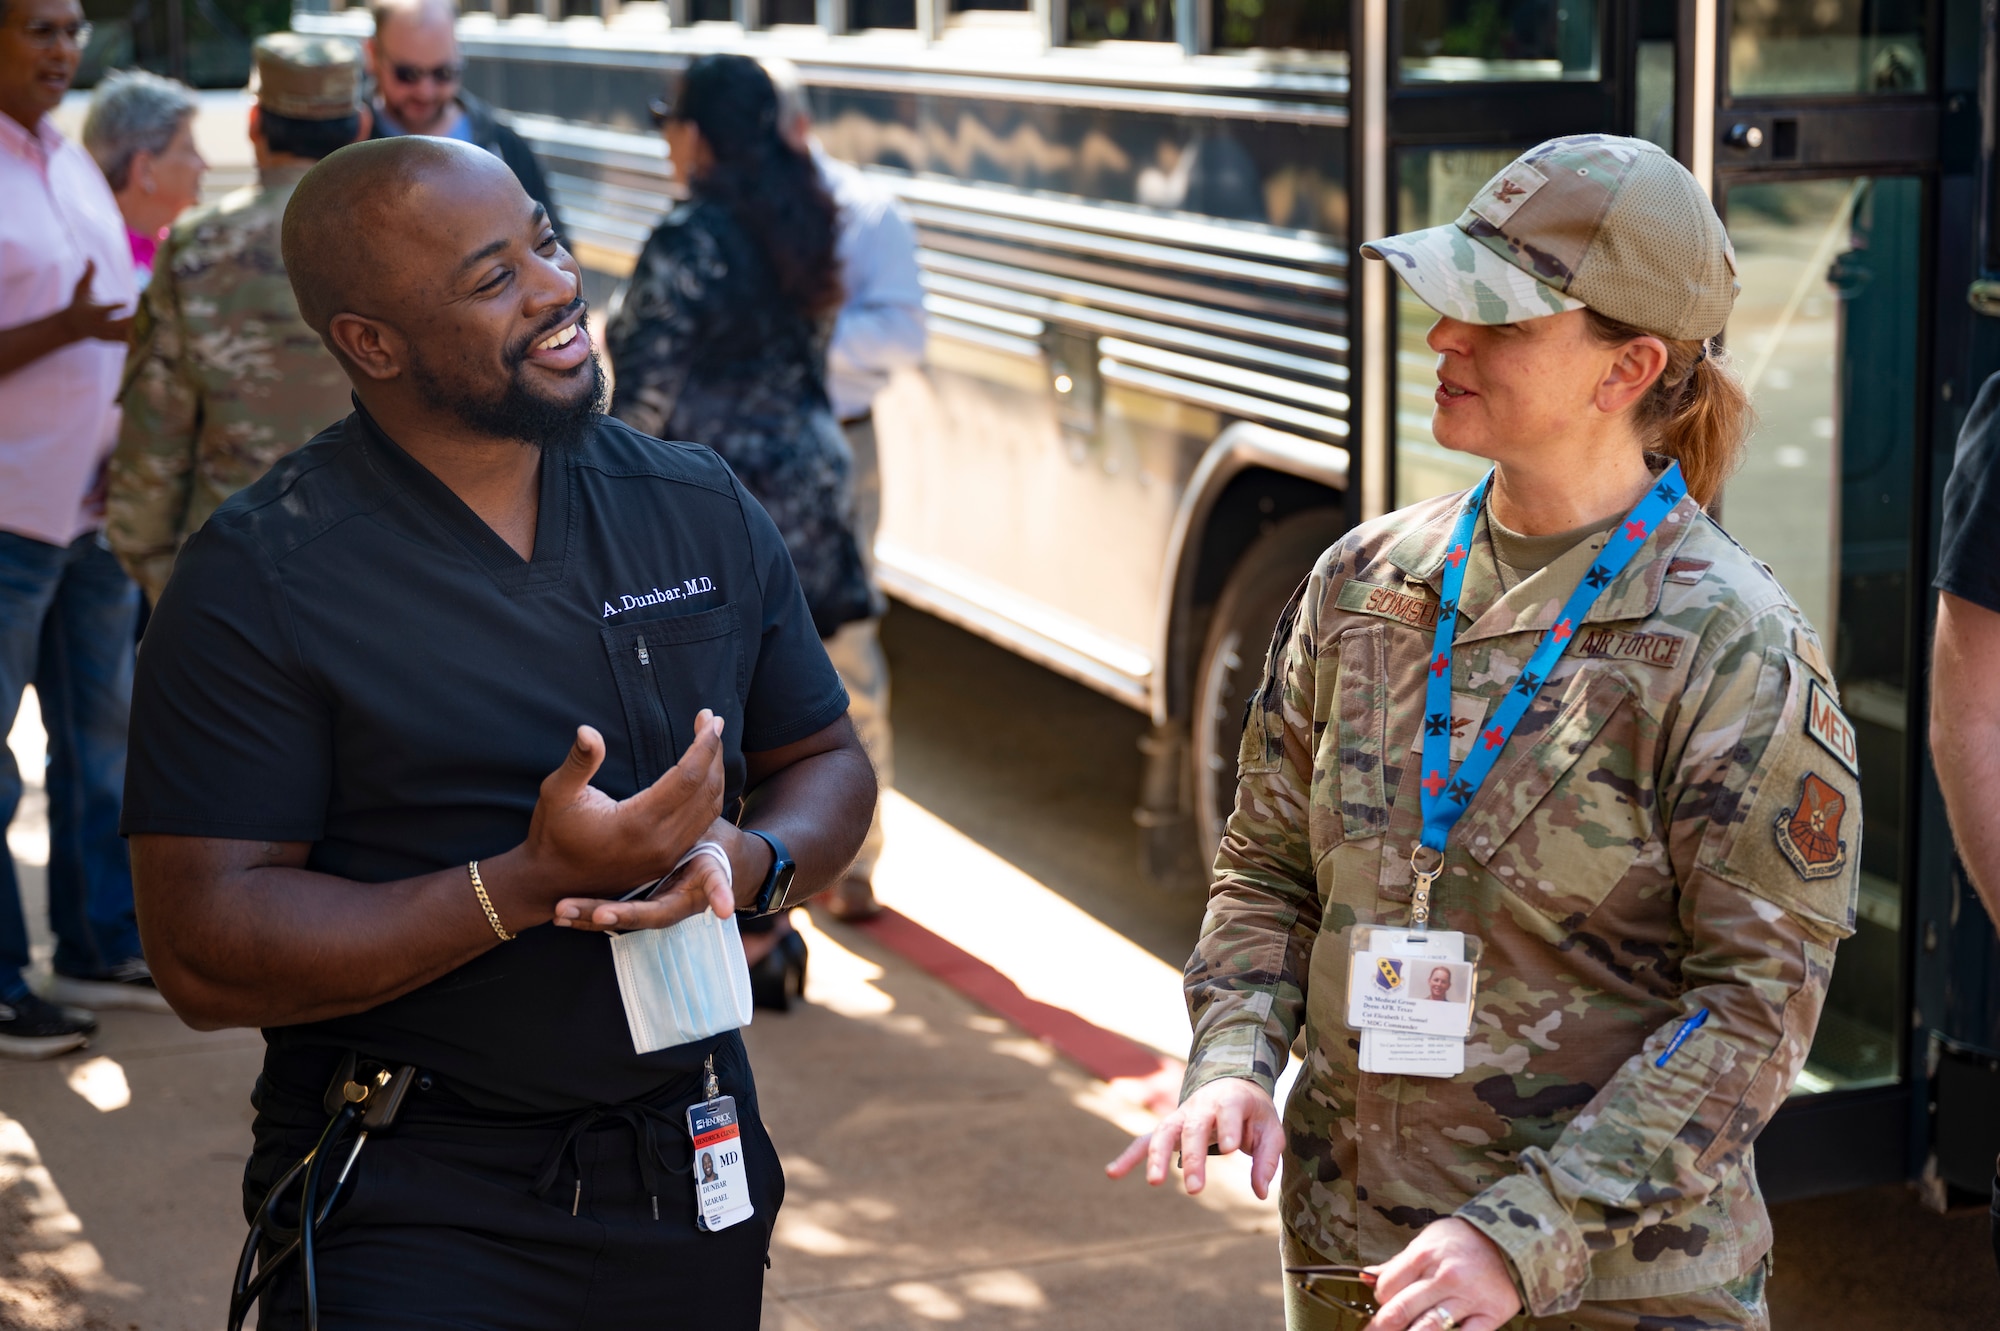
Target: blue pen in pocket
{"x": 1688, "y": 1027}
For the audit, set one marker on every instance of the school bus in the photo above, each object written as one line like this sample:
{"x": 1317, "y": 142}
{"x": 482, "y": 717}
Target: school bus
{"x": 1159, "y": 382}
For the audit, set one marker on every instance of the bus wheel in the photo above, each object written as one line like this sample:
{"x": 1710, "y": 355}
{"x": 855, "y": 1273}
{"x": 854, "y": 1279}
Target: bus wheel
{"x": 1232, "y": 659}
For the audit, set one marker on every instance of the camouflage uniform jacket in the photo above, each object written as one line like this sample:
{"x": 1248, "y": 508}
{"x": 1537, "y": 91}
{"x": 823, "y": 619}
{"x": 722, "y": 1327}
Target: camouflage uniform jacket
{"x": 1664, "y": 834}
{"x": 223, "y": 378}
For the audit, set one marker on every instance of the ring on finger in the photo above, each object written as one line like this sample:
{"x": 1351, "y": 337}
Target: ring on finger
{"x": 1445, "y": 1321}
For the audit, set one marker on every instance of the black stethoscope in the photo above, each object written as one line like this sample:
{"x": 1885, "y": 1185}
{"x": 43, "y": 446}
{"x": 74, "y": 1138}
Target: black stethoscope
{"x": 362, "y": 1093}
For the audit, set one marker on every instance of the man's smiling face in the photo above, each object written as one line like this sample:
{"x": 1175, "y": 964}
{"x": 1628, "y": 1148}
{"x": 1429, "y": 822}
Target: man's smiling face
{"x": 496, "y": 332}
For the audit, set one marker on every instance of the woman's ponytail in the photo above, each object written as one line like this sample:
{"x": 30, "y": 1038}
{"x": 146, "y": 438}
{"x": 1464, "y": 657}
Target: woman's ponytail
{"x": 1696, "y": 412}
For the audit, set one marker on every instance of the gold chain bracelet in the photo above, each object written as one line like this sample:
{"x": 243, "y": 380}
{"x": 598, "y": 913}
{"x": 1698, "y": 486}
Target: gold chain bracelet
{"x": 486, "y": 904}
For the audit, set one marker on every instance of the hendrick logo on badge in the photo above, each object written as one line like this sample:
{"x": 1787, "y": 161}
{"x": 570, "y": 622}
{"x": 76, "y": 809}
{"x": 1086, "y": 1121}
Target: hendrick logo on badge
{"x": 721, "y": 1184}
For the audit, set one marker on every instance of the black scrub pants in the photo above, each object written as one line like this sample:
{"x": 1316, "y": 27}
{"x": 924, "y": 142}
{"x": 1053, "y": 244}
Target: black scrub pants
{"x": 441, "y": 1227}
{"x": 1996, "y": 1213}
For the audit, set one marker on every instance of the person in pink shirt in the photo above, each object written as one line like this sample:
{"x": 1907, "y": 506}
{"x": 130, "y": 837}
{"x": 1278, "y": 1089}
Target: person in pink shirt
{"x": 141, "y": 131}
{"x": 68, "y": 613}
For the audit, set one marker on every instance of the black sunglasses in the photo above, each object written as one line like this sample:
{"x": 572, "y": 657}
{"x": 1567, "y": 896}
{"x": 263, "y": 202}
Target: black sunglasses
{"x": 443, "y": 74}
{"x": 662, "y": 113}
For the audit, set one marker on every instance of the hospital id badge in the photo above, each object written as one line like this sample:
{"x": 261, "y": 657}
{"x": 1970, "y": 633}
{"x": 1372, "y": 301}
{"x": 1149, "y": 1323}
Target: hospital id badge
{"x": 721, "y": 1183}
{"x": 1411, "y": 983}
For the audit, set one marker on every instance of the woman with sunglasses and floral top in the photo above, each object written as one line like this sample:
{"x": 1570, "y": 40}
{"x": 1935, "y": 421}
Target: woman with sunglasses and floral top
{"x": 1561, "y": 729}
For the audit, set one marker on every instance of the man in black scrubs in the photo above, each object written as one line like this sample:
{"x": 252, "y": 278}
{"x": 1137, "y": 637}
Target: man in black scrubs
{"x": 344, "y": 821}
{"x": 1965, "y": 683}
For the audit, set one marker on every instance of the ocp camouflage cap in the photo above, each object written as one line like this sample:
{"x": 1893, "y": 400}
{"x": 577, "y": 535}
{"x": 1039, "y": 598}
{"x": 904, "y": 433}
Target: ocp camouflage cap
{"x": 1593, "y": 220}
{"x": 307, "y": 78}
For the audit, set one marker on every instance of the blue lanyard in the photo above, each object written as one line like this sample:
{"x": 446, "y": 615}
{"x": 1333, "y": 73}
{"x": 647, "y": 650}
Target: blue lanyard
{"x": 1446, "y": 793}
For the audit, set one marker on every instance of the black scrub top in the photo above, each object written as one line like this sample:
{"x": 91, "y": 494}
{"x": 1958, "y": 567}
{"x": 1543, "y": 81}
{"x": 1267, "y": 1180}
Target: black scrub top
{"x": 347, "y": 655}
{"x": 1970, "y": 537}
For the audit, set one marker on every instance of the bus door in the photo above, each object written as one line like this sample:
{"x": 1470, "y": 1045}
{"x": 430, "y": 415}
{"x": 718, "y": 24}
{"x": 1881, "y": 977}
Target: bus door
{"x": 1822, "y": 142}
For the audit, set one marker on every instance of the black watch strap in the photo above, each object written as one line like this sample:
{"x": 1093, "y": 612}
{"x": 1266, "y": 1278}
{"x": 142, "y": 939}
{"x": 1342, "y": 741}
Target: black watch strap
{"x": 776, "y": 890}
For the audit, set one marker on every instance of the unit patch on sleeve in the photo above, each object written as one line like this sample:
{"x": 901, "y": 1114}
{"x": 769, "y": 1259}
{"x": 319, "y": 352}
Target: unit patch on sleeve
{"x": 1809, "y": 832}
{"x": 1826, "y": 723}
{"x": 1365, "y": 598}
{"x": 1659, "y": 649}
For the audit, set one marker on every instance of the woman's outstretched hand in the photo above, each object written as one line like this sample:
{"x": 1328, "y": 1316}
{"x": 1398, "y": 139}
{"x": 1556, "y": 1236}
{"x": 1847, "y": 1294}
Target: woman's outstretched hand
{"x": 1231, "y": 1112}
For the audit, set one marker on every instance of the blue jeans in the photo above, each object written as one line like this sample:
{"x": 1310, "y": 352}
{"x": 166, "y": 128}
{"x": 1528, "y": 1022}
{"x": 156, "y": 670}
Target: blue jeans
{"x": 67, "y": 617}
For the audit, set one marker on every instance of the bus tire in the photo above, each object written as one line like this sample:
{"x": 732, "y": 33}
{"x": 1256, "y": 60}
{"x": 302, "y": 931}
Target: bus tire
{"x": 1231, "y": 664}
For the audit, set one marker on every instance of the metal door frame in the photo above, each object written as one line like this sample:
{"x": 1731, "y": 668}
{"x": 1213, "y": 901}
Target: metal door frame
{"x": 1845, "y": 1139}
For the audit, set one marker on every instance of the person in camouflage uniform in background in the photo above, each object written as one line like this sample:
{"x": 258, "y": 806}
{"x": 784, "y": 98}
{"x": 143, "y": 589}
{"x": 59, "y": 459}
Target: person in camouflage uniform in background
{"x": 223, "y": 377}
{"x": 1672, "y": 829}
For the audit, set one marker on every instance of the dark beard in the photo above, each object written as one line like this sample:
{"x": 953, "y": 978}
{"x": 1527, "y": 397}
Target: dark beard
{"x": 520, "y": 413}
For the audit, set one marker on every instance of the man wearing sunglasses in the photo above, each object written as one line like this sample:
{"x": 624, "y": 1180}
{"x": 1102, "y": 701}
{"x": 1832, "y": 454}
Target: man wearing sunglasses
{"x": 415, "y": 62}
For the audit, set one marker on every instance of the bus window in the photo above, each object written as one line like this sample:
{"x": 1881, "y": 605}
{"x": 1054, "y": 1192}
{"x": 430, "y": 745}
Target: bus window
{"x": 1825, "y": 337}
{"x": 865, "y": 14}
{"x": 1121, "y": 20}
{"x": 711, "y": 11}
{"x": 1433, "y": 186}
{"x": 1498, "y": 41}
{"x": 1294, "y": 25}
{"x": 798, "y": 12}
{"x": 1285, "y": 175}
{"x": 966, "y": 6}
{"x": 1781, "y": 48}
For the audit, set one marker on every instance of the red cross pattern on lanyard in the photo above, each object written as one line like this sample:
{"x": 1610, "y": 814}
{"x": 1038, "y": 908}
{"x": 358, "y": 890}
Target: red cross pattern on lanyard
{"x": 1446, "y": 792}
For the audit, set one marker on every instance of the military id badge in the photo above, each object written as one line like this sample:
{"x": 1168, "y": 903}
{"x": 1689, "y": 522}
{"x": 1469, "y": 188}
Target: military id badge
{"x": 1408, "y": 983}
{"x": 1400, "y": 1053}
{"x": 721, "y": 1183}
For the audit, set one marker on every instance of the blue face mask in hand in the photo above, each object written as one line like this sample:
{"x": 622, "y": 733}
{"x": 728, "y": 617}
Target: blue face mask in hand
{"x": 685, "y": 982}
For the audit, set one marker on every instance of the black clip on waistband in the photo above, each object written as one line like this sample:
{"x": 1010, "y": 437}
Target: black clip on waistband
{"x": 362, "y": 1091}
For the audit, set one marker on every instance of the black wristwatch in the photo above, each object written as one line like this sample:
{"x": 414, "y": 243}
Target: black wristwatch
{"x": 776, "y": 892}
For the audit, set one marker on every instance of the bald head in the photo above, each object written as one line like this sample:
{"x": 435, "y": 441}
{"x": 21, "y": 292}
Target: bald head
{"x": 437, "y": 281}
{"x": 417, "y": 13}
{"x": 364, "y": 220}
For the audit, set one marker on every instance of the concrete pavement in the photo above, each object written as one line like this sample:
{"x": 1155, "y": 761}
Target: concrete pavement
{"x": 944, "y": 1166}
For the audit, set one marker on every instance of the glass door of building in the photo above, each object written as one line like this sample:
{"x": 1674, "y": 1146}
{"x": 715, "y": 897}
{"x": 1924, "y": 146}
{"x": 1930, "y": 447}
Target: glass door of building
{"x": 1826, "y": 164}
{"x": 1466, "y": 85}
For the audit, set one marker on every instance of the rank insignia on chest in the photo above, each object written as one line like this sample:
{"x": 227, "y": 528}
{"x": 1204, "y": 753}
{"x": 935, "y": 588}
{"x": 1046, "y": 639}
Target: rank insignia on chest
{"x": 1809, "y": 833}
{"x": 1389, "y": 973}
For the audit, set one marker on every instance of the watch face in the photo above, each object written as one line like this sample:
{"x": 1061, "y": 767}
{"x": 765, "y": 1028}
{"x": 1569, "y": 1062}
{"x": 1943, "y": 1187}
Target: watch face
{"x": 781, "y": 882}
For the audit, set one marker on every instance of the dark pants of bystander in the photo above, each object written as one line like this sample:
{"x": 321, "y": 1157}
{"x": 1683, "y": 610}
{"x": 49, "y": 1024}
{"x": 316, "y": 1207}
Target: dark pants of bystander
{"x": 67, "y": 619}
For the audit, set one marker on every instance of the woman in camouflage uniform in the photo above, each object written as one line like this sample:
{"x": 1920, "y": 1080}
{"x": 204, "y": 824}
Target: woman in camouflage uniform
{"x": 1658, "y": 864}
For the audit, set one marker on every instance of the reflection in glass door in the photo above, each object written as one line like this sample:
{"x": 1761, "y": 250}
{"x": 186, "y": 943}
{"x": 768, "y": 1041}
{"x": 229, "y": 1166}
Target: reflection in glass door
{"x": 1433, "y": 187}
{"x": 1825, "y": 336}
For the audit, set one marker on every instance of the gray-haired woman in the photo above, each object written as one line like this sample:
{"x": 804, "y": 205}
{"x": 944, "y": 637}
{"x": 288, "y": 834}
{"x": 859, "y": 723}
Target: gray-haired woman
{"x": 140, "y": 128}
